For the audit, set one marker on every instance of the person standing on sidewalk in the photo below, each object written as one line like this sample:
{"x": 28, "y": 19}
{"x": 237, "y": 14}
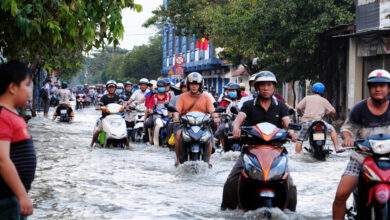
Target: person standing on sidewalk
{"x": 45, "y": 97}
{"x": 17, "y": 154}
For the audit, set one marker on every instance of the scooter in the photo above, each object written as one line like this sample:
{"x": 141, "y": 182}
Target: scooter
{"x": 372, "y": 198}
{"x": 317, "y": 139}
{"x": 264, "y": 180}
{"x": 80, "y": 101}
{"x": 136, "y": 131}
{"x": 161, "y": 120}
{"x": 227, "y": 119}
{"x": 196, "y": 136}
{"x": 62, "y": 110}
{"x": 114, "y": 133}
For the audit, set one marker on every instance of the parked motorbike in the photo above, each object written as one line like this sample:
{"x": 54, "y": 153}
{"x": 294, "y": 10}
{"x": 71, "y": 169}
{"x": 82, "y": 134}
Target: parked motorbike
{"x": 264, "y": 180}
{"x": 137, "y": 119}
{"x": 196, "y": 136}
{"x": 114, "y": 133}
{"x": 372, "y": 198}
{"x": 317, "y": 139}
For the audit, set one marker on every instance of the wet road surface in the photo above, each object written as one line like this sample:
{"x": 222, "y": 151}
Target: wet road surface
{"x": 74, "y": 181}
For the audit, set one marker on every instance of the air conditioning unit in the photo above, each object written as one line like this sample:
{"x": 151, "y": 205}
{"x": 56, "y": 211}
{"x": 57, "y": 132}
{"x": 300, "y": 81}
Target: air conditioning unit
{"x": 372, "y": 15}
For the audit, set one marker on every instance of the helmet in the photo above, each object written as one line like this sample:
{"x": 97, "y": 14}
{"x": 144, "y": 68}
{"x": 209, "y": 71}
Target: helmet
{"x": 119, "y": 85}
{"x": 265, "y": 76}
{"x": 161, "y": 83}
{"x": 378, "y": 76}
{"x": 153, "y": 83}
{"x": 232, "y": 86}
{"x": 127, "y": 83}
{"x": 194, "y": 77}
{"x": 253, "y": 77}
{"x": 143, "y": 81}
{"x": 64, "y": 85}
{"x": 110, "y": 82}
{"x": 318, "y": 88}
{"x": 167, "y": 81}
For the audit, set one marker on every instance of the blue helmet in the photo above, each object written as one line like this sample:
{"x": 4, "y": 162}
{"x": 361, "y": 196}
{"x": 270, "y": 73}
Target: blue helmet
{"x": 318, "y": 88}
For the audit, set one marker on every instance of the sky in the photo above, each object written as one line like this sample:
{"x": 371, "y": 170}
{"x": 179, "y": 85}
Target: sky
{"x": 135, "y": 34}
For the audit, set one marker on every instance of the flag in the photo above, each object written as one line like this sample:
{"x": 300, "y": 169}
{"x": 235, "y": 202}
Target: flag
{"x": 202, "y": 43}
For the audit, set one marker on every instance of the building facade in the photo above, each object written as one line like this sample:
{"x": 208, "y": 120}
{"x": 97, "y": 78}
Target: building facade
{"x": 181, "y": 56}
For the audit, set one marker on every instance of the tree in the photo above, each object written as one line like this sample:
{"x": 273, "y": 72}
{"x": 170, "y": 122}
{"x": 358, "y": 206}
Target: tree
{"x": 281, "y": 35}
{"x": 45, "y": 33}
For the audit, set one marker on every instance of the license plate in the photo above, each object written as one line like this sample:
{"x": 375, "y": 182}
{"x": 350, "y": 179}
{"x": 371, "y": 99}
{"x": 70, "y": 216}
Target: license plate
{"x": 63, "y": 111}
{"x": 267, "y": 193}
{"x": 318, "y": 136}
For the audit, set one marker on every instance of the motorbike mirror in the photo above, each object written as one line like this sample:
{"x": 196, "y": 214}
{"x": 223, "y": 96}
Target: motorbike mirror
{"x": 220, "y": 109}
{"x": 234, "y": 110}
{"x": 294, "y": 126}
{"x": 215, "y": 104}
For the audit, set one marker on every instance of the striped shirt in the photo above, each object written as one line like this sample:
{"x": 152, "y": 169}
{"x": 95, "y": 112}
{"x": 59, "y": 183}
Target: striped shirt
{"x": 14, "y": 129}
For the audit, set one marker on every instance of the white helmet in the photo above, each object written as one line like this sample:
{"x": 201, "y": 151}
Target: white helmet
{"x": 153, "y": 83}
{"x": 111, "y": 82}
{"x": 253, "y": 77}
{"x": 143, "y": 81}
{"x": 195, "y": 77}
{"x": 378, "y": 76}
{"x": 265, "y": 76}
{"x": 120, "y": 85}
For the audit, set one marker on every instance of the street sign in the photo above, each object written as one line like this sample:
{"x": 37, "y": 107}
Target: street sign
{"x": 179, "y": 61}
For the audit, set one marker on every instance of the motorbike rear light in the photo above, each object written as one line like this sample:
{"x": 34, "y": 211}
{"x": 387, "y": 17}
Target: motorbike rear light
{"x": 318, "y": 128}
{"x": 382, "y": 193}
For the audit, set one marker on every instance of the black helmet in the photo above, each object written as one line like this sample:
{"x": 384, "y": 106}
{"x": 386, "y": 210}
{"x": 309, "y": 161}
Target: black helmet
{"x": 161, "y": 83}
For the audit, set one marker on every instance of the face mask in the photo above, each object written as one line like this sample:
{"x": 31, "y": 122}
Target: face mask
{"x": 160, "y": 89}
{"x": 232, "y": 94}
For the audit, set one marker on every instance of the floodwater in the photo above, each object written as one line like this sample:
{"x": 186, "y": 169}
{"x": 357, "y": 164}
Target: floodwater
{"x": 74, "y": 181}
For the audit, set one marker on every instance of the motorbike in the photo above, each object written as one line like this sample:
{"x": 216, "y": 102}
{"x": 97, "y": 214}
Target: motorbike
{"x": 63, "y": 114}
{"x": 114, "y": 133}
{"x": 264, "y": 180}
{"x": 317, "y": 139}
{"x": 227, "y": 120}
{"x": 372, "y": 197}
{"x": 54, "y": 101}
{"x": 161, "y": 120}
{"x": 80, "y": 101}
{"x": 196, "y": 136}
{"x": 137, "y": 119}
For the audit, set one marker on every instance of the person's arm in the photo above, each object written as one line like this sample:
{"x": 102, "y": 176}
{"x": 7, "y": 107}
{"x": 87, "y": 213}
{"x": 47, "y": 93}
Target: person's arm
{"x": 329, "y": 109}
{"x": 237, "y": 124}
{"x": 10, "y": 176}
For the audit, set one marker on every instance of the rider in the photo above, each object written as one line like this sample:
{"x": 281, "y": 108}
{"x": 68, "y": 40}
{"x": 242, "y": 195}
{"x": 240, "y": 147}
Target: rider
{"x": 110, "y": 97}
{"x": 368, "y": 117}
{"x": 264, "y": 108}
{"x": 64, "y": 95}
{"x": 192, "y": 101}
{"x": 252, "y": 91}
{"x": 314, "y": 107}
{"x": 158, "y": 99}
{"x": 128, "y": 90}
{"x": 138, "y": 97}
{"x": 231, "y": 95}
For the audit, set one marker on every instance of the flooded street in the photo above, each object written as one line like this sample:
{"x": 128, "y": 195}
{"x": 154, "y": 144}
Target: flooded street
{"x": 74, "y": 181}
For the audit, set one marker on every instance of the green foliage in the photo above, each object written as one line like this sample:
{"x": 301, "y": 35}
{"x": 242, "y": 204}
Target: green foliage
{"x": 282, "y": 35}
{"x": 120, "y": 65}
{"x": 55, "y": 33}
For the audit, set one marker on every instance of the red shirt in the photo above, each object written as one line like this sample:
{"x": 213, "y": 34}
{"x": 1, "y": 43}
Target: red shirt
{"x": 154, "y": 99}
{"x": 224, "y": 103}
{"x": 13, "y": 128}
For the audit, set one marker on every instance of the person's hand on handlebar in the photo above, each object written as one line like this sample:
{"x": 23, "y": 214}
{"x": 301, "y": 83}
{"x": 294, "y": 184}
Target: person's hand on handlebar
{"x": 348, "y": 140}
{"x": 293, "y": 136}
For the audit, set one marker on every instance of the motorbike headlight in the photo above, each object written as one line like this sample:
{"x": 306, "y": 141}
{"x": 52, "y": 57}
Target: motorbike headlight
{"x": 186, "y": 136}
{"x": 206, "y": 137}
{"x": 279, "y": 170}
{"x": 253, "y": 171}
{"x": 191, "y": 120}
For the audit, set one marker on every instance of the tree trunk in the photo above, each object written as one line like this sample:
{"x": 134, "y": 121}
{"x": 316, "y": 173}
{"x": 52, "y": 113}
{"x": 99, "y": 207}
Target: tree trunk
{"x": 35, "y": 68}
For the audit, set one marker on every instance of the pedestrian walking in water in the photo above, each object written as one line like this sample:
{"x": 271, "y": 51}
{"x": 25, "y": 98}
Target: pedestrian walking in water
{"x": 17, "y": 154}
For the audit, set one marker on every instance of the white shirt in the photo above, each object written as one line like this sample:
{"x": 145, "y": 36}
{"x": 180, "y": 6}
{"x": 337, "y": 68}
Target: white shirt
{"x": 138, "y": 96}
{"x": 64, "y": 95}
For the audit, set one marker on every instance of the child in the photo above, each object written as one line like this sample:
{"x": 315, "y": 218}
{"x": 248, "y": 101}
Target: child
{"x": 17, "y": 154}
